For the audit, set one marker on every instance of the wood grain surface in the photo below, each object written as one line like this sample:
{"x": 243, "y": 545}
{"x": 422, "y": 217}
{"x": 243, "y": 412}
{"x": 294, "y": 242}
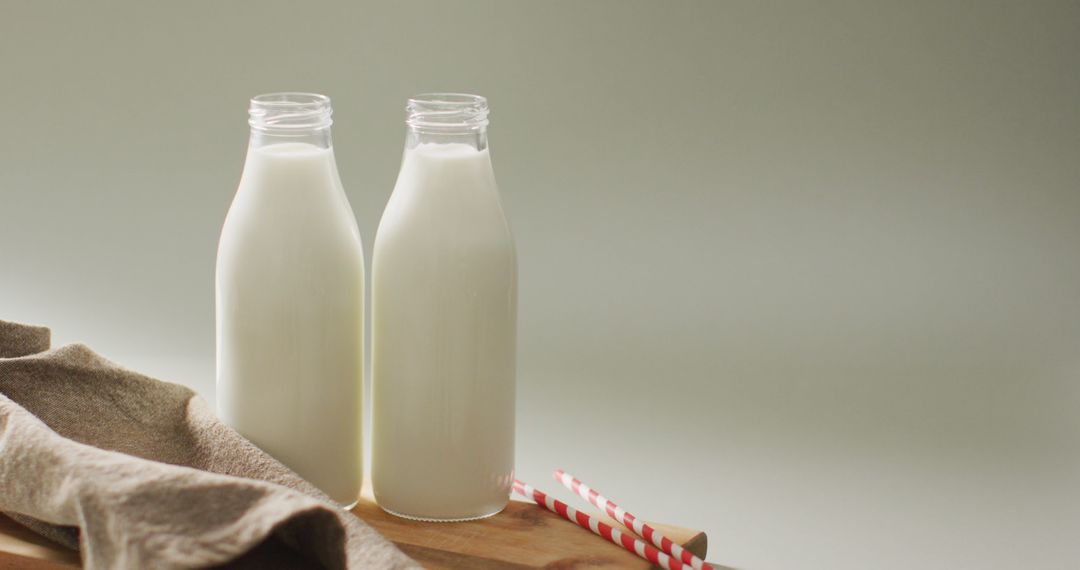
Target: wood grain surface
{"x": 522, "y": 536}
{"x": 23, "y": 549}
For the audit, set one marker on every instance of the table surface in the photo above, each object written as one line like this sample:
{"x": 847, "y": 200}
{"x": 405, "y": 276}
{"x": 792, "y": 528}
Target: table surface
{"x": 522, "y": 536}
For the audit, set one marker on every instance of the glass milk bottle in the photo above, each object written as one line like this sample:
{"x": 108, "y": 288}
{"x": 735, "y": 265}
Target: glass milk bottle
{"x": 290, "y": 299}
{"x": 444, "y": 313}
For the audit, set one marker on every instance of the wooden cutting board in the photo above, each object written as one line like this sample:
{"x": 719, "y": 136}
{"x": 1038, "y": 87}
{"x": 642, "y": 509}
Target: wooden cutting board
{"x": 522, "y": 536}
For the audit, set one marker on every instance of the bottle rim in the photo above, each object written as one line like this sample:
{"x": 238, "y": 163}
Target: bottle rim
{"x": 447, "y": 112}
{"x": 290, "y": 111}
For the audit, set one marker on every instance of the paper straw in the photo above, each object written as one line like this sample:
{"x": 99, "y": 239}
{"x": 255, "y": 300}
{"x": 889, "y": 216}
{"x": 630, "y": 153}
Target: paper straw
{"x": 629, "y": 542}
{"x": 633, "y": 523}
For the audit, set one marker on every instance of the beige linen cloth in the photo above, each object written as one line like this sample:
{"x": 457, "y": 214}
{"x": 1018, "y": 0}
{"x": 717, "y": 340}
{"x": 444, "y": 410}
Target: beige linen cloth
{"x": 139, "y": 473}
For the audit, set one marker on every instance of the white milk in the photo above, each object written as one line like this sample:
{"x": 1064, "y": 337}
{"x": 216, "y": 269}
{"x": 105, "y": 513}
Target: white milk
{"x": 444, "y": 309}
{"x": 290, "y": 291}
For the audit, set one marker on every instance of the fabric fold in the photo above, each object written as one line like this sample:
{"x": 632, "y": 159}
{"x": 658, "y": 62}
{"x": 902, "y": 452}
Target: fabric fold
{"x": 140, "y": 473}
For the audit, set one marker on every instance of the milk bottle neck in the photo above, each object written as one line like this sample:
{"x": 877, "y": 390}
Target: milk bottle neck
{"x": 447, "y": 118}
{"x": 290, "y": 118}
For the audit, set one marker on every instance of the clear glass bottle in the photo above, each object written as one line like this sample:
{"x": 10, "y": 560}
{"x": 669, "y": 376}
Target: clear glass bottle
{"x": 290, "y": 298}
{"x": 444, "y": 308}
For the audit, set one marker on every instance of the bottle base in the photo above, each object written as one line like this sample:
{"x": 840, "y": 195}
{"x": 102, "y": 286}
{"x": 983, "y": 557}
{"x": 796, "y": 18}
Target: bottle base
{"x": 350, "y": 506}
{"x": 441, "y": 520}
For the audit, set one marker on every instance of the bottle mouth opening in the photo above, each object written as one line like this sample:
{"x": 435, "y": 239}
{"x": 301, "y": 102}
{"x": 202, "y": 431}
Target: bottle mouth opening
{"x": 290, "y": 111}
{"x": 447, "y": 112}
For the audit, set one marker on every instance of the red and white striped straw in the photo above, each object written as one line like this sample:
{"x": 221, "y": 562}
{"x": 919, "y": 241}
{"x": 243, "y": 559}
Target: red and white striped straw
{"x": 641, "y": 528}
{"x": 629, "y": 542}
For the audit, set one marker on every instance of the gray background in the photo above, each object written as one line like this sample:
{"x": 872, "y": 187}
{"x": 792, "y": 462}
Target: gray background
{"x": 804, "y": 275}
